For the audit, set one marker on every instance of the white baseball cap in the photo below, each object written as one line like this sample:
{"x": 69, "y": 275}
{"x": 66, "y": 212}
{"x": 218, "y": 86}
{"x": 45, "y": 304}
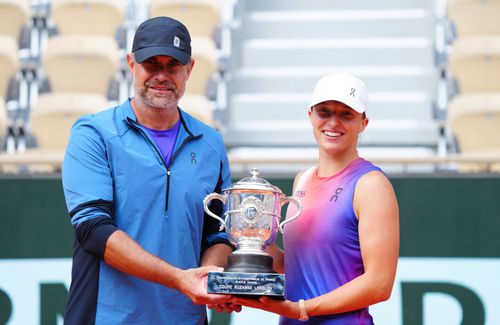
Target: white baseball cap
{"x": 341, "y": 87}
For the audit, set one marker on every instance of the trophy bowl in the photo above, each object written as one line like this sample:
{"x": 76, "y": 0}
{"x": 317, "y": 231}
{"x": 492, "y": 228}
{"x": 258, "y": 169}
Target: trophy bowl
{"x": 252, "y": 209}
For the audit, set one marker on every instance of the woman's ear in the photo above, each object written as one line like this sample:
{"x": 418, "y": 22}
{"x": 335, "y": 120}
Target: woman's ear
{"x": 364, "y": 124}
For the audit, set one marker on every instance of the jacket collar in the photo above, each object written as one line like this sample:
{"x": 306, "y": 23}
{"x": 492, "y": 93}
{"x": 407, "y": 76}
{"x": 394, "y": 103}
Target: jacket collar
{"x": 188, "y": 123}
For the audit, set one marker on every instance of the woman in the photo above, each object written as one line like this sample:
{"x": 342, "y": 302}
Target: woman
{"x": 341, "y": 253}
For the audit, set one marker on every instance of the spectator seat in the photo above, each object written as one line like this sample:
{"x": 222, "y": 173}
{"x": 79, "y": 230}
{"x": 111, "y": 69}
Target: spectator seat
{"x": 199, "y": 107}
{"x": 96, "y": 17}
{"x": 80, "y": 64}
{"x": 475, "y": 17}
{"x": 54, "y": 114}
{"x": 205, "y": 66}
{"x": 13, "y": 15}
{"x": 9, "y": 62}
{"x": 474, "y": 120}
{"x": 3, "y": 121}
{"x": 200, "y": 16}
{"x": 475, "y": 63}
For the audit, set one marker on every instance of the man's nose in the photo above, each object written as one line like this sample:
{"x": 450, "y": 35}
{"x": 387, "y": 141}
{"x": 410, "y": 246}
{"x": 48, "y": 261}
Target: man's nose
{"x": 162, "y": 72}
{"x": 163, "y": 69}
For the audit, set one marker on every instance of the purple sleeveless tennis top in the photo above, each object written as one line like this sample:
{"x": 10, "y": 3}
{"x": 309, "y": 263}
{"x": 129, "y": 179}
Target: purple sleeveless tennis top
{"x": 322, "y": 249}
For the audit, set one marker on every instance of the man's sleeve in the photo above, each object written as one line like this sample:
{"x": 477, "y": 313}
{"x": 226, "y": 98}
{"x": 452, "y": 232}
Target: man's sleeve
{"x": 88, "y": 187}
{"x": 211, "y": 233}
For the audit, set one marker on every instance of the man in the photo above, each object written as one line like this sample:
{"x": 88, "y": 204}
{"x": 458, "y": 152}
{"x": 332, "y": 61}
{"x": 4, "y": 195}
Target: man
{"x": 134, "y": 178}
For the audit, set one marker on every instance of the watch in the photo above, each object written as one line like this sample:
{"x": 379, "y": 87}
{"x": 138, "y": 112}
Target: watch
{"x": 302, "y": 311}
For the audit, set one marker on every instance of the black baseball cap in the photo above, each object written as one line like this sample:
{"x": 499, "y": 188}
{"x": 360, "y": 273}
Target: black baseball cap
{"x": 162, "y": 36}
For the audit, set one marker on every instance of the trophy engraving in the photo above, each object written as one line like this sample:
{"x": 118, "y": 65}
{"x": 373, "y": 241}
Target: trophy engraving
{"x": 252, "y": 209}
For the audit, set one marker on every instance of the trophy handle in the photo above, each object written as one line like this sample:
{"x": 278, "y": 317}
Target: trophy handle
{"x": 207, "y": 200}
{"x": 293, "y": 200}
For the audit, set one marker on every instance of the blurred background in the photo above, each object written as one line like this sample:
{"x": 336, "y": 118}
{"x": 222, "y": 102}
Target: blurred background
{"x": 432, "y": 69}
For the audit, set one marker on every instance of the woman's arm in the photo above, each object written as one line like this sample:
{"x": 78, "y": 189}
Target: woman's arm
{"x": 378, "y": 214}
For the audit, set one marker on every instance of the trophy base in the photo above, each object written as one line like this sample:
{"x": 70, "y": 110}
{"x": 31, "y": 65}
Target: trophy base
{"x": 247, "y": 284}
{"x": 249, "y": 263}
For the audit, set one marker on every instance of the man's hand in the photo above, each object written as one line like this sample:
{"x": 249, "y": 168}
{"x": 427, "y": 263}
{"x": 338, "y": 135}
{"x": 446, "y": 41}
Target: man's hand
{"x": 193, "y": 283}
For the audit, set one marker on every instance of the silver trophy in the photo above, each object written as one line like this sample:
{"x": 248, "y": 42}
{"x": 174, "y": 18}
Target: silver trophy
{"x": 252, "y": 210}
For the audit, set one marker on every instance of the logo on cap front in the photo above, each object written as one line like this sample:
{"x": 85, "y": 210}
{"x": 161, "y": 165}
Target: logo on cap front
{"x": 352, "y": 92}
{"x": 177, "y": 41}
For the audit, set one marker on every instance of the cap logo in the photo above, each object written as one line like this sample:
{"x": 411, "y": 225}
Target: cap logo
{"x": 352, "y": 92}
{"x": 177, "y": 41}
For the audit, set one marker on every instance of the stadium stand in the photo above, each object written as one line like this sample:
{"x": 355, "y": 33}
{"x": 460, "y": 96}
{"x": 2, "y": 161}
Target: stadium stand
{"x": 280, "y": 49}
{"x": 83, "y": 59}
{"x": 85, "y": 54}
{"x": 474, "y": 66}
{"x": 256, "y": 64}
{"x": 68, "y": 72}
{"x": 80, "y": 61}
{"x": 77, "y": 68}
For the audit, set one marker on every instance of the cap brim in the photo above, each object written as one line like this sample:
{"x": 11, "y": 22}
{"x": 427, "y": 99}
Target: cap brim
{"x": 147, "y": 52}
{"x": 353, "y": 105}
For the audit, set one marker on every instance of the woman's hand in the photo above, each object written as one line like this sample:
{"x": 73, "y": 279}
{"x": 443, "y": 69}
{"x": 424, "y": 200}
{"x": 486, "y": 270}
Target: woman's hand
{"x": 227, "y": 307}
{"x": 285, "y": 308}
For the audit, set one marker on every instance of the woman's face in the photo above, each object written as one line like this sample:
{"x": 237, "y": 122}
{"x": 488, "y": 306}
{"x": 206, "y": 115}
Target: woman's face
{"x": 336, "y": 126}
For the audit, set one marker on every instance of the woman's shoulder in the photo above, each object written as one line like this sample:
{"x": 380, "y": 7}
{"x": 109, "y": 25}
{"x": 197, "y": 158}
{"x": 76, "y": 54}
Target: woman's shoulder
{"x": 373, "y": 177}
{"x": 303, "y": 173}
{"x": 374, "y": 181}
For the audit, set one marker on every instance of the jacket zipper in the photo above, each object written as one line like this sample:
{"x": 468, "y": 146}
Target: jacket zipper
{"x": 168, "y": 189}
{"x": 189, "y": 137}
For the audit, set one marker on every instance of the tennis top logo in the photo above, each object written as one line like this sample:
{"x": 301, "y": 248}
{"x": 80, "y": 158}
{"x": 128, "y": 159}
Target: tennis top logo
{"x": 300, "y": 193}
{"x": 335, "y": 196}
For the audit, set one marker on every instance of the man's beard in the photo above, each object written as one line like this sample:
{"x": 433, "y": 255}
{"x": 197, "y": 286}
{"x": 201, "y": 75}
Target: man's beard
{"x": 170, "y": 99}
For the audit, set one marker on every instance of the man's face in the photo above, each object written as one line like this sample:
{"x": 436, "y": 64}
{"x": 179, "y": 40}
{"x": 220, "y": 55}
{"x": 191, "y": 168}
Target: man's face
{"x": 159, "y": 81}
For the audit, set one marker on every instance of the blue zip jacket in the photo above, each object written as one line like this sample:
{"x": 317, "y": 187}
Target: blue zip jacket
{"x": 114, "y": 177}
